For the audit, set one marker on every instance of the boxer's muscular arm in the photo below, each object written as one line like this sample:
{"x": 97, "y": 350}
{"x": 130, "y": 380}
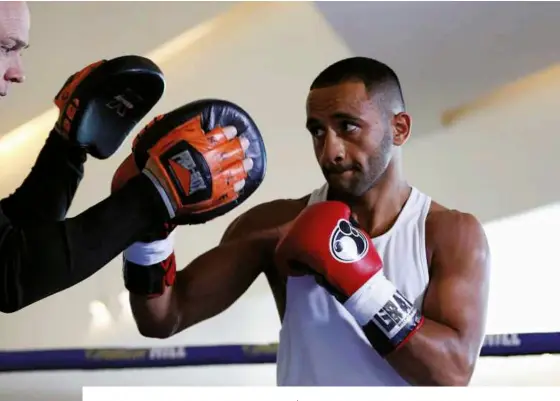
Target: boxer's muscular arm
{"x": 445, "y": 349}
{"x": 212, "y": 282}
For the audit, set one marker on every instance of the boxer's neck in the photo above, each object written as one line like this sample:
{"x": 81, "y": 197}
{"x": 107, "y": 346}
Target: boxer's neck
{"x": 377, "y": 210}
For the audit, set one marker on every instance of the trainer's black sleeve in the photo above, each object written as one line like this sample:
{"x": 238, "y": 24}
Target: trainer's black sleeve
{"x": 39, "y": 259}
{"x": 48, "y": 191}
{"x": 40, "y": 253}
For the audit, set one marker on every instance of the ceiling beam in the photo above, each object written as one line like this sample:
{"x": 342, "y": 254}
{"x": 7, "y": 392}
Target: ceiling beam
{"x": 504, "y": 94}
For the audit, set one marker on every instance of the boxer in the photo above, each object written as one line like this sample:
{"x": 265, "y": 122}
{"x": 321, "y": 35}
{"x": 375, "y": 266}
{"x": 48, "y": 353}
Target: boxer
{"x": 42, "y": 252}
{"x": 375, "y": 283}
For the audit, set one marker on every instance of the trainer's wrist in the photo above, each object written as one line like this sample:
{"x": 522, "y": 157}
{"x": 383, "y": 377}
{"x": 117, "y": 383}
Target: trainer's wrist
{"x": 165, "y": 200}
{"x": 58, "y": 152}
{"x": 150, "y": 193}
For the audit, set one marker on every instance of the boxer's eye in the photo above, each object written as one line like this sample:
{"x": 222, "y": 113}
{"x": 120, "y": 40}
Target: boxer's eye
{"x": 349, "y": 127}
{"x": 317, "y": 132}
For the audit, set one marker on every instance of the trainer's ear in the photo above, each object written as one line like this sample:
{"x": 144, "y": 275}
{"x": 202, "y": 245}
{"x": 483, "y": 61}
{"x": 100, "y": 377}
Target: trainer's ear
{"x": 401, "y": 128}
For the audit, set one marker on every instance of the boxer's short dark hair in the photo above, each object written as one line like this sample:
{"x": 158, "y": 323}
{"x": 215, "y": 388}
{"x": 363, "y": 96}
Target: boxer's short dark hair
{"x": 377, "y": 77}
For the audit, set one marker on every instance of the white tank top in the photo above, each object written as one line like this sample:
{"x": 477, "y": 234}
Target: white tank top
{"x": 320, "y": 342}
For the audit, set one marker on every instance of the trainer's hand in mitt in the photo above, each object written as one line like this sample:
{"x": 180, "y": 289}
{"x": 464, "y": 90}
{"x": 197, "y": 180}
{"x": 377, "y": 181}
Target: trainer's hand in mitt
{"x": 205, "y": 159}
{"x": 149, "y": 264}
{"x": 124, "y": 173}
{"x": 102, "y": 103}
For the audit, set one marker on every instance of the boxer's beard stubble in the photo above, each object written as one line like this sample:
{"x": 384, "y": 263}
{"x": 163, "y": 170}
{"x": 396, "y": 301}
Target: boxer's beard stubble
{"x": 363, "y": 179}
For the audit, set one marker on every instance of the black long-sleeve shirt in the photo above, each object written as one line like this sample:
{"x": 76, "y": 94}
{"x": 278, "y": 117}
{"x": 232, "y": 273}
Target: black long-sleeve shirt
{"x": 41, "y": 252}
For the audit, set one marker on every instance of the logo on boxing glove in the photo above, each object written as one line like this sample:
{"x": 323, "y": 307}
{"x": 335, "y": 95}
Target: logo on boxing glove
{"x": 348, "y": 245}
{"x": 185, "y": 160}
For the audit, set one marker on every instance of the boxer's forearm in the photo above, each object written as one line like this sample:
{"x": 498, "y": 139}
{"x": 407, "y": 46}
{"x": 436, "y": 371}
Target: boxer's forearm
{"x": 209, "y": 285}
{"x": 156, "y": 317}
{"x": 434, "y": 355}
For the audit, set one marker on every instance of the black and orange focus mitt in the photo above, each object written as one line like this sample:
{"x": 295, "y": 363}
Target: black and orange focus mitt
{"x": 101, "y": 104}
{"x": 205, "y": 159}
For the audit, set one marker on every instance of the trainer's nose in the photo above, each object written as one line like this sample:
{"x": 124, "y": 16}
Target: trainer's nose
{"x": 15, "y": 73}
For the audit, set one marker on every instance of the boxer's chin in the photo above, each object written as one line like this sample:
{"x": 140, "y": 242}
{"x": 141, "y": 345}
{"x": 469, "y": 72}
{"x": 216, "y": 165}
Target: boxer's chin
{"x": 346, "y": 184}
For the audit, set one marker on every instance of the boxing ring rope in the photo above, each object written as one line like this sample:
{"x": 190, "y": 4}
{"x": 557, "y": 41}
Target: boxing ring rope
{"x": 234, "y": 354}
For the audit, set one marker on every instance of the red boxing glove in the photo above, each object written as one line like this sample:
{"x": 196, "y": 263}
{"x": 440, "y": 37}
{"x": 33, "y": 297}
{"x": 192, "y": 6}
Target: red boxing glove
{"x": 326, "y": 241}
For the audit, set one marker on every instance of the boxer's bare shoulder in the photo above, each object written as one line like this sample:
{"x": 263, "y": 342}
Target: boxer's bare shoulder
{"x": 449, "y": 229}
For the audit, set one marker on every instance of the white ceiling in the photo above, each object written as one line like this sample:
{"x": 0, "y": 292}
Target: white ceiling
{"x": 446, "y": 53}
{"x": 449, "y": 53}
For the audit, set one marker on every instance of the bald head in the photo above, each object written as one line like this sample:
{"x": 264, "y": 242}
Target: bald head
{"x": 14, "y": 37}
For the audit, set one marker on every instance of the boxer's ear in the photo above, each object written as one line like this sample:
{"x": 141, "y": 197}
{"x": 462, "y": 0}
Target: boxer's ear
{"x": 401, "y": 128}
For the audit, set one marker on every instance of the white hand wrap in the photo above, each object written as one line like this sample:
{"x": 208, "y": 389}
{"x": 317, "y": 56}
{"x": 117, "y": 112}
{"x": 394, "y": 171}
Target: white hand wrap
{"x": 150, "y": 253}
